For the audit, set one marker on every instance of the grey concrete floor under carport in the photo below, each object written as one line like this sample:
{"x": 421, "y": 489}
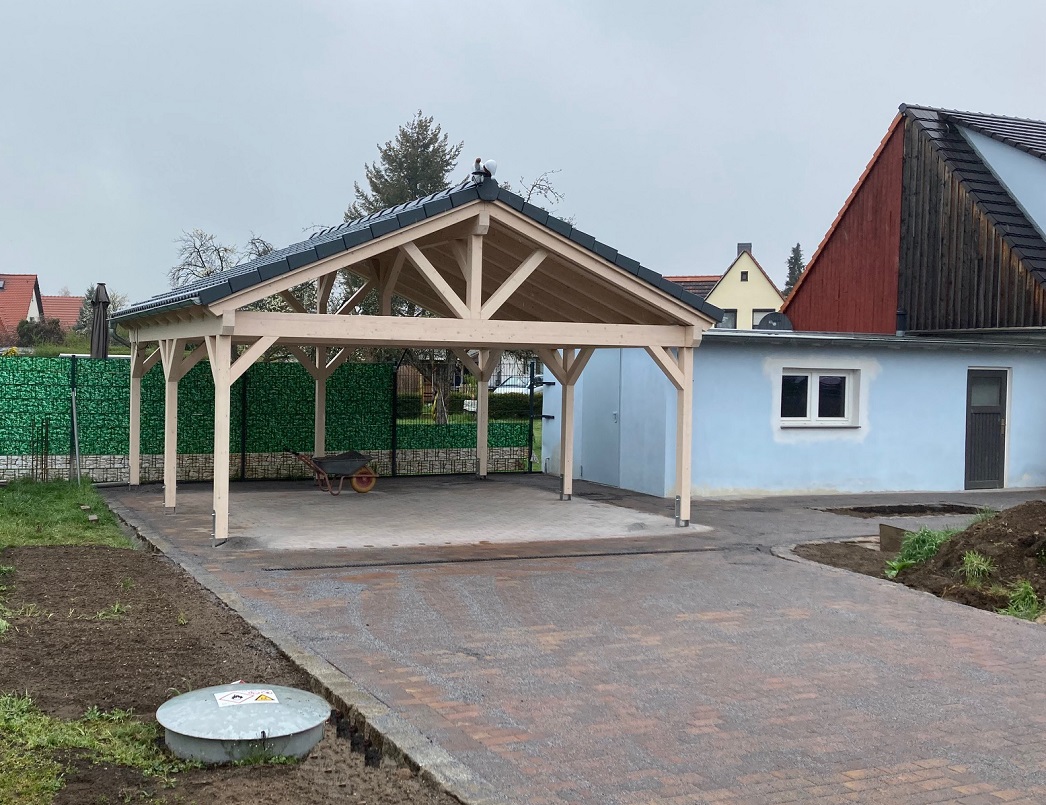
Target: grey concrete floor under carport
{"x": 688, "y": 667}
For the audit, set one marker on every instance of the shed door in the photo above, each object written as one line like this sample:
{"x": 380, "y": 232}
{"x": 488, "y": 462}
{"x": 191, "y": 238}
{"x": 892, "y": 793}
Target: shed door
{"x": 985, "y": 428}
{"x": 601, "y": 426}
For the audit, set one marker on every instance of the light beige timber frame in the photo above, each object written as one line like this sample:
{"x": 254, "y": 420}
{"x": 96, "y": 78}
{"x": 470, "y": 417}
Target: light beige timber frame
{"x": 494, "y": 279}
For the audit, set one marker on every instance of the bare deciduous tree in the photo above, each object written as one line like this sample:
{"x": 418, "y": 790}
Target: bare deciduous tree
{"x": 200, "y": 255}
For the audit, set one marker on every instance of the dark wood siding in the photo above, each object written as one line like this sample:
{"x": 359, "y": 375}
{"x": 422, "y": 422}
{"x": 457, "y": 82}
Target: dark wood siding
{"x": 851, "y": 284}
{"x": 955, "y": 269}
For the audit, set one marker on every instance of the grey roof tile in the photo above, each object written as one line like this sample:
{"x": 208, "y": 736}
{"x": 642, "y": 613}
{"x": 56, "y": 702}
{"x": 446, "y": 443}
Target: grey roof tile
{"x": 329, "y": 248}
{"x": 627, "y": 263}
{"x": 245, "y": 280}
{"x": 412, "y": 216}
{"x": 538, "y": 214}
{"x": 606, "y": 252}
{"x": 299, "y": 259}
{"x": 436, "y": 206}
{"x": 582, "y": 238}
{"x": 383, "y": 226}
{"x": 559, "y": 226}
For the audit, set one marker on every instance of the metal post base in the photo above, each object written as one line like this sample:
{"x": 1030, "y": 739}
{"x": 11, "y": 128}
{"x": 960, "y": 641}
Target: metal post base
{"x": 563, "y": 496}
{"x": 169, "y": 509}
{"x": 682, "y": 523}
{"x": 480, "y": 477}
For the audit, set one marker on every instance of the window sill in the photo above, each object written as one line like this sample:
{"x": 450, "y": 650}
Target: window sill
{"x": 818, "y": 425}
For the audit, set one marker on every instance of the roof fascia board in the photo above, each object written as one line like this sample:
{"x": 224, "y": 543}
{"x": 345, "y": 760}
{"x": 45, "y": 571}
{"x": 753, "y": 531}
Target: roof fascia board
{"x": 812, "y": 262}
{"x": 566, "y": 249}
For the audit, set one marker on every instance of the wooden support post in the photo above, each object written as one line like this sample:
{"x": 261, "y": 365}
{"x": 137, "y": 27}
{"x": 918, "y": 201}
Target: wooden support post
{"x": 566, "y": 431}
{"x": 319, "y": 433}
{"x": 684, "y": 433}
{"x": 140, "y": 365}
{"x": 482, "y": 413}
{"x": 474, "y": 276}
{"x": 171, "y": 354}
{"x": 219, "y": 349}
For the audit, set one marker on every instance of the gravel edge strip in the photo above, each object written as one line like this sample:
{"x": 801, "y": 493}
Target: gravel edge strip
{"x": 397, "y": 739}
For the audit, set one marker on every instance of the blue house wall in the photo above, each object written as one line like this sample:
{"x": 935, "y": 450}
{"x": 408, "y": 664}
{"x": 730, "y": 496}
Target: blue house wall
{"x": 909, "y": 432}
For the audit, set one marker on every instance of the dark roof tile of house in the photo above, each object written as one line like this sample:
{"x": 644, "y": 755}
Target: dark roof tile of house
{"x": 941, "y": 126}
{"x": 699, "y": 285}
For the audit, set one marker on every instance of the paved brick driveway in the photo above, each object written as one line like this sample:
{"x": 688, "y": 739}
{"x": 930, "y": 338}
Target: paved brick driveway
{"x": 717, "y": 674}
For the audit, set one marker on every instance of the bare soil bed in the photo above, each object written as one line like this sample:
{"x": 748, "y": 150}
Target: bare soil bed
{"x": 1014, "y": 541}
{"x": 167, "y": 636}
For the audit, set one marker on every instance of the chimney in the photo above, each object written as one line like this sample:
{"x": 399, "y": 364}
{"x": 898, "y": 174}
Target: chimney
{"x": 744, "y": 247}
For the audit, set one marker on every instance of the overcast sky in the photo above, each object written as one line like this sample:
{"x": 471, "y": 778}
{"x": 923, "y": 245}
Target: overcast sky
{"x": 680, "y": 128}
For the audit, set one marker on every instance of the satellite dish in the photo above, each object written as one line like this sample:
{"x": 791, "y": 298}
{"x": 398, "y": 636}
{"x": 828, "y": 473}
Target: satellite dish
{"x": 774, "y": 321}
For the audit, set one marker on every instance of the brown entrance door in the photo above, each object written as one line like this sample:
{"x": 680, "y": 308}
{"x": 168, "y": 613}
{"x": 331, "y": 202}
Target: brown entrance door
{"x": 985, "y": 428}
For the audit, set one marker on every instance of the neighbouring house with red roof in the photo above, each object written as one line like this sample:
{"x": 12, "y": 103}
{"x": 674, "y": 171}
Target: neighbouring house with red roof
{"x": 20, "y": 300}
{"x": 64, "y": 308}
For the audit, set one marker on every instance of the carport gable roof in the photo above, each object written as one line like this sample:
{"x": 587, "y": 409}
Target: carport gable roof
{"x": 345, "y": 237}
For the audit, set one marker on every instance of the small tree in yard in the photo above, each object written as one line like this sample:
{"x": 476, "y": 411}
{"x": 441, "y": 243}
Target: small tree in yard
{"x": 117, "y": 301}
{"x": 417, "y": 163}
{"x": 796, "y": 266}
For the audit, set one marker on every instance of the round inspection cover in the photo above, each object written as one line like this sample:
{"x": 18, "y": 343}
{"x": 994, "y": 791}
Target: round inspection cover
{"x": 230, "y": 722}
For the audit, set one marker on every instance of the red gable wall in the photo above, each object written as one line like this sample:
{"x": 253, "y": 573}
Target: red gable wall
{"x": 850, "y": 285}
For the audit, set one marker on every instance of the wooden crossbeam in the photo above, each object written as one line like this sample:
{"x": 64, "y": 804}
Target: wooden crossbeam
{"x": 292, "y": 300}
{"x": 324, "y": 286}
{"x": 509, "y": 286}
{"x": 435, "y": 280}
{"x": 305, "y": 360}
{"x": 357, "y": 298}
{"x": 249, "y": 356}
{"x": 578, "y": 364}
{"x": 668, "y": 364}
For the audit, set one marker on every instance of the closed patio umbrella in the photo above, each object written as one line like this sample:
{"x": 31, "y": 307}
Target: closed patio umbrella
{"x": 100, "y": 322}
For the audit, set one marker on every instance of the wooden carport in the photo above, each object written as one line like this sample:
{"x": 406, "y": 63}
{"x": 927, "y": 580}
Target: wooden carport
{"x": 496, "y": 272}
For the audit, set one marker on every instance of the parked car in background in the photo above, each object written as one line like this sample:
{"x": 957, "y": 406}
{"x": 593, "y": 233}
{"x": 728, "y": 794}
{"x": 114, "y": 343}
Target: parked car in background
{"x": 512, "y": 385}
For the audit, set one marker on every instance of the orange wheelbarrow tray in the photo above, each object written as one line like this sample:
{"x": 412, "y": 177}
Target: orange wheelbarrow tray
{"x": 338, "y": 467}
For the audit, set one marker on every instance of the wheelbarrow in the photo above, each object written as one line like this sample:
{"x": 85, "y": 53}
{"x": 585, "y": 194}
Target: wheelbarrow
{"x": 338, "y": 467}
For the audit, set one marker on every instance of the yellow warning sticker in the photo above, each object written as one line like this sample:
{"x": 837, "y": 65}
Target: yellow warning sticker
{"x": 235, "y": 697}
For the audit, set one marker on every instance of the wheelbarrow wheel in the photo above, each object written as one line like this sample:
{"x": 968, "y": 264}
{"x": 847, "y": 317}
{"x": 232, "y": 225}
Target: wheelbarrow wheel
{"x": 364, "y": 480}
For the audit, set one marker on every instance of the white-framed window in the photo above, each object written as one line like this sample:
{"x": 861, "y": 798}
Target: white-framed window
{"x": 819, "y": 398}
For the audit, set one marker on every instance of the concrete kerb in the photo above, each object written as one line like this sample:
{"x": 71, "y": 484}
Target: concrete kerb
{"x": 395, "y": 738}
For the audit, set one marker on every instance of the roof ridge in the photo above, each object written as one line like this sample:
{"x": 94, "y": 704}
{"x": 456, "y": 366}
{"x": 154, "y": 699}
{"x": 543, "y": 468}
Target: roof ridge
{"x": 941, "y": 111}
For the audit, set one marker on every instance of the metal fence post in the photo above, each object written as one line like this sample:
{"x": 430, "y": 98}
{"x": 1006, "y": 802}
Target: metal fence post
{"x": 530, "y": 423}
{"x": 395, "y": 417}
{"x": 243, "y": 423}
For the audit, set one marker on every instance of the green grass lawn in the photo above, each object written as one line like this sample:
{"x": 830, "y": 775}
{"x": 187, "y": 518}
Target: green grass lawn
{"x": 49, "y": 513}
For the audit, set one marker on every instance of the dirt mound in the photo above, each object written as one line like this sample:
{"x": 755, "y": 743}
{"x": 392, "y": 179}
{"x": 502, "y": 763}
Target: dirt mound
{"x": 1015, "y": 543}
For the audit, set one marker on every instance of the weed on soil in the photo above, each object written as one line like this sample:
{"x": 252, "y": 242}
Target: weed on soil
{"x": 998, "y": 563}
